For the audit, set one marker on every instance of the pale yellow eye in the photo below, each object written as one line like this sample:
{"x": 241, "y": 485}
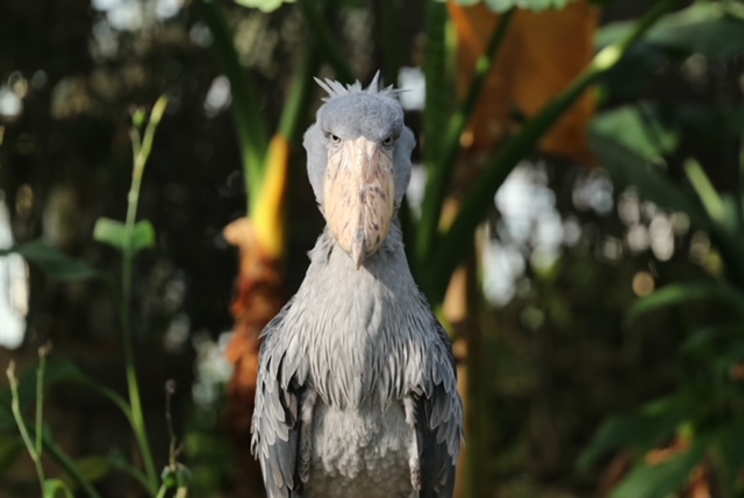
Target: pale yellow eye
{"x": 388, "y": 142}
{"x": 334, "y": 139}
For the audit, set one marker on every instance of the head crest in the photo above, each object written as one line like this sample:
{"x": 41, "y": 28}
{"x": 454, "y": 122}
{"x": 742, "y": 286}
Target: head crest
{"x": 336, "y": 89}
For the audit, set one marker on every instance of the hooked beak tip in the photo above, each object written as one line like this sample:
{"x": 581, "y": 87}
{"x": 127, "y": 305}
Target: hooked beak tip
{"x": 357, "y": 254}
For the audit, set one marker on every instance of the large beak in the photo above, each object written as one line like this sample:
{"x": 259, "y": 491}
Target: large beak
{"x": 359, "y": 197}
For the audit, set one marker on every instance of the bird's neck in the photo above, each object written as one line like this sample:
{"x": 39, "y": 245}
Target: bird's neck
{"x": 387, "y": 262}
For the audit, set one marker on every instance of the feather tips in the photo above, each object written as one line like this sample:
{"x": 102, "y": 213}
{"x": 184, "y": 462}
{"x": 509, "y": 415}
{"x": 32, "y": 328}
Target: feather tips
{"x": 336, "y": 89}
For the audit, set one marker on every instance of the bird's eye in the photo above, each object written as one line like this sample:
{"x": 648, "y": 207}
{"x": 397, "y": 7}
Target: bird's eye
{"x": 388, "y": 142}
{"x": 334, "y": 138}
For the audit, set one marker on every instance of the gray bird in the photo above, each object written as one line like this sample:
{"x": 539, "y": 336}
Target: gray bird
{"x": 357, "y": 389}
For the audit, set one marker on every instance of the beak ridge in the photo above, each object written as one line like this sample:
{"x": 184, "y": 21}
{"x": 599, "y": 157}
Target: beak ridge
{"x": 358, "y": 197}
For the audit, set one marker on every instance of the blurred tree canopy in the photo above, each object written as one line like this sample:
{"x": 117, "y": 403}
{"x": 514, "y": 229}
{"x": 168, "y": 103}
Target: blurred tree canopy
{"x": 576, "y": 218}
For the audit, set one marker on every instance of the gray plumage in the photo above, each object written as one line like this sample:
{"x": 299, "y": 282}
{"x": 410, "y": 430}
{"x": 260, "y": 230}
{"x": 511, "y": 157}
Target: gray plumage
{"x": 357, "y": 390}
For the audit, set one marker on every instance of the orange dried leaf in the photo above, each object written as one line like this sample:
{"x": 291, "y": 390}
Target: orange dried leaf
{"x": 258, "y": 298}
{"x": 541, "y": 55}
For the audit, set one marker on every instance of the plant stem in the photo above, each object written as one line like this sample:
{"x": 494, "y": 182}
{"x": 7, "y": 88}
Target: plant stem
{"x": 161, "y": 491}
{"x": 43, "y": 351}
{"x": 70, "y": 467}
{"x": 141, "y": 155}
{"x": 329, "y": 47}
{"x": 441, "y": 174}
{"x": 15, "y": 407}
{"x": 459, "y": 238}
{"x": 251, "y": 127}
{"x": 295, "y": 108}
{"x": 391, "y": 30}
{"x": 435, "y": 108}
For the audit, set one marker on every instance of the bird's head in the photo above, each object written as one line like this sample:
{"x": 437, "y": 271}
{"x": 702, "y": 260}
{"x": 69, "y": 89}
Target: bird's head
{"x": 359, "y": 163}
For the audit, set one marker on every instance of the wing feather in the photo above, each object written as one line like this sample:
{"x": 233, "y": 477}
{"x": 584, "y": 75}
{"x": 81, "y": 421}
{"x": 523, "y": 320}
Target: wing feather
{"x": 438, "y": 422}
{"x": 276, "y": 424}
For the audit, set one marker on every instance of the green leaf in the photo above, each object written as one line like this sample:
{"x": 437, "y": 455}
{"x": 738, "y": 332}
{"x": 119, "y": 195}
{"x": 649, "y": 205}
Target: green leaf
{"x": 180, "y": 477}
{"x": 114, "y": 233}
{"x": 11, "y": 447}
{"x": 143, "y": 236}
{"x": 654, "y": 481}
{"x": 263, "y": 5}
{"x": 644, "y": 430}
{"x": 730, "y": 451}
{"x": 53, "y": 261}
{"x": 54, "y": 488}
{"x": 628, "y": 168}
{"x": 635, "y": 128}
{"x": 504, "y": 5}
{"x": 709, "y": 28}
{"x": 682, "y": 293}
{"x": 94, "y": 468}
{"x": 110, "y": 232}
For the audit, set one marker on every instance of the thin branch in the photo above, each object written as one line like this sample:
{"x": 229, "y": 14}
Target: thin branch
{"x": 18, "y": 416}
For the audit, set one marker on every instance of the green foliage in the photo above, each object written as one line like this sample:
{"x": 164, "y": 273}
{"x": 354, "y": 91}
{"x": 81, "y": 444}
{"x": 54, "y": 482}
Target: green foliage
{"x": 629, "y": 162}
{"x": 644, "y": 430}
{"x": 711, "y": 29}
{"x": 54, "y": 488}
{"x": 683, "y": 293}
{"x": 114, "y": 233}
{"x": 264, "y": 5}
{"x": 178, "y": 477}
{"x": 642, "y": 145}
{"x": 53, "y": 262}
{"x": 129, "y": 237}
{"x": 11, "y": 447}
{"x": 504, "y": 5}
{"x": 664, "y": 478}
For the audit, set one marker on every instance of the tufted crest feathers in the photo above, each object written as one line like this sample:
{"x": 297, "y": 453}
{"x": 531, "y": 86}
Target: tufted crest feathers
{"x": 336, "y": 89}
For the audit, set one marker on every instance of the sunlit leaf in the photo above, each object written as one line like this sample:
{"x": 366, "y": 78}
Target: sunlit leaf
{"x": 263, "y": 5}
{"x": 113, "y": 233}
{"x": 53, "y": 261}
{"x": 643, "y": 431}
{"x": 55, "y": 488}
{"x": 269, "y": 213}
{"x": 683, "y": 293}
{"x": 634, "y": 127}
{"x": 709, "y": 28}
{"x": 654, "y": 481}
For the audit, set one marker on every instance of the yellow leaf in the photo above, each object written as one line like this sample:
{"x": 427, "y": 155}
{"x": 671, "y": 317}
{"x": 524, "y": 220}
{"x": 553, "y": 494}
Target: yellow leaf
{"x": 268, "y": 213}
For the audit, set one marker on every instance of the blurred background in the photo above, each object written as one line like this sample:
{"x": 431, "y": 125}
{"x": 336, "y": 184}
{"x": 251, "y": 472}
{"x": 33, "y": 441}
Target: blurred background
{"x": 575, "y": 217}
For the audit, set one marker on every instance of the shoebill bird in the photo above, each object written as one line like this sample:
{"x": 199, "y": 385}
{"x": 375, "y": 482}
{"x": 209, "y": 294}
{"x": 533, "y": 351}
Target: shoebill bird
{"x": 357, "y": 390}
